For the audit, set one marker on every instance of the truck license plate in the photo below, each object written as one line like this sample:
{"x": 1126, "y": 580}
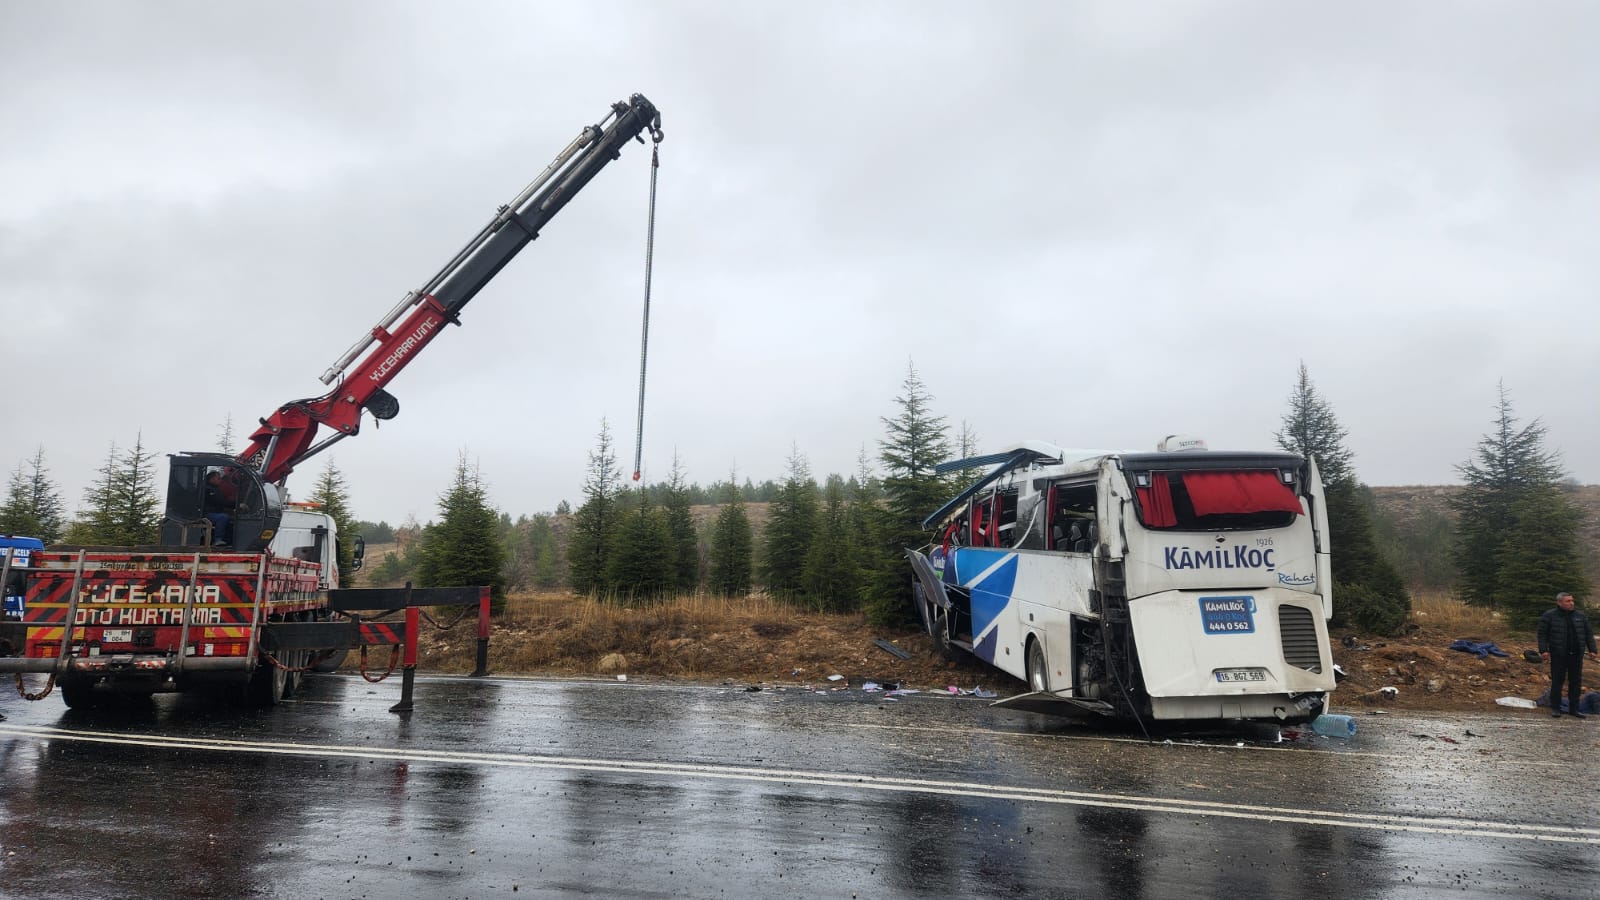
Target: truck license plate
{"x": 1232, "y": 675}
{"x": 117, "y": 636}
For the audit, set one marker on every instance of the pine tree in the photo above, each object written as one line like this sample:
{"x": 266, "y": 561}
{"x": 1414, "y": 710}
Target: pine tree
{"x": 33, "y": 505}
{"x": 916, "y": 442}
{"x": 1310, "y": 429}
{"x": 685, "y": 552}
{"x": 640, "y": 564}
{"x": 790, "y": 530}
{"x": 595, "y": 522}
{"x": 1511, "y": 483}
{"x": 463, "y": 549}
{"x": 1367, "y": 591}
{"x": 123, "y": 508}
{"x": 731, "y": 543}
{"x": 225, "y": 437}
{"x": 966, "y": 447}
{"x": 333, "y": 494}
{"x": 831, "y": 579}
{"x": 862, "y": 516}
{"x": 1539, "y": 558}
{"x": 548, "y": 564}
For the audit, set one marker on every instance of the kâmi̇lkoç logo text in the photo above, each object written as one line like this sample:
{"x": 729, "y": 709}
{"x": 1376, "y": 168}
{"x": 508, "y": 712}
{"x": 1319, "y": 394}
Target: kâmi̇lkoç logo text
{"x": 1221, "y": 558}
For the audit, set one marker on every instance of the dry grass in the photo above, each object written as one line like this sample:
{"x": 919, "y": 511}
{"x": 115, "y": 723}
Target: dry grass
{"x": 1438, "y": 610}
{"x": 753, "y": 639}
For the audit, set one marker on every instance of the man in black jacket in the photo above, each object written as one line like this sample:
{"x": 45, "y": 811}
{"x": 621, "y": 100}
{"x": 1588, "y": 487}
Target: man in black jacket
{"x": 1564, "y": 635}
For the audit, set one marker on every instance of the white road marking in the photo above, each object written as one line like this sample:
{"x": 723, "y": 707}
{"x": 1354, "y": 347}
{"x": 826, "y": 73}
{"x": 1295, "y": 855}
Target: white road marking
{"x": 1219, "y": 744}
{"x": 1382, "y": 822}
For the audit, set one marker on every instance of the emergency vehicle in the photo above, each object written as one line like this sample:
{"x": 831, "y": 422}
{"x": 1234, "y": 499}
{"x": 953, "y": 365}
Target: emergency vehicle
{"x": 229, "y": 597}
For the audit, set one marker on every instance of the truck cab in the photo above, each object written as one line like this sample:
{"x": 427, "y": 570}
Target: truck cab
{"x": 308, "y": 534}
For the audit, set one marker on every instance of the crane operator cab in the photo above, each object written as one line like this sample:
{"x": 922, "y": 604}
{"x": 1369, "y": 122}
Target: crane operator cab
{"x": 214, "y": 500}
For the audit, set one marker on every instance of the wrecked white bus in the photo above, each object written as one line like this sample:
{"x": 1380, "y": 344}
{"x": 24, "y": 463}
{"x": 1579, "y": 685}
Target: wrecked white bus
{"x": 1176, "y": 585}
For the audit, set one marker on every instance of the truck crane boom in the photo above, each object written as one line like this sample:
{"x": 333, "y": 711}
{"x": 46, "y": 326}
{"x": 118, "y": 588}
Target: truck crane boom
{"x": 289, "y": 436}
{"x": 253, "y": 480}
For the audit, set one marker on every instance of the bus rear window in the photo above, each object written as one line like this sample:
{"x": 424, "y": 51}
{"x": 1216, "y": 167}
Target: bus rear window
{"x": 1215, "y": 500}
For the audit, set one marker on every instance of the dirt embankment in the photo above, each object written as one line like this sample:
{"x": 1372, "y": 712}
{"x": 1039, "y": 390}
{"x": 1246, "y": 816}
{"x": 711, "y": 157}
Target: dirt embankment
{"x": 760, "y": 642}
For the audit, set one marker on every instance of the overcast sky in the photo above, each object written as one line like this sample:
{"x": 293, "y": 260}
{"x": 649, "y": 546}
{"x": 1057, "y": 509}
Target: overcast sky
{"x": 1093, "y": 224}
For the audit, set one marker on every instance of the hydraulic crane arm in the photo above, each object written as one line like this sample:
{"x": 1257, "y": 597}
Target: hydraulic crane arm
{"x": 290, "y": 435}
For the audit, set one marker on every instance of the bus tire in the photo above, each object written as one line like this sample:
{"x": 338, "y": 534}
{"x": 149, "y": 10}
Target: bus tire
{"x": 1038, "y": 667}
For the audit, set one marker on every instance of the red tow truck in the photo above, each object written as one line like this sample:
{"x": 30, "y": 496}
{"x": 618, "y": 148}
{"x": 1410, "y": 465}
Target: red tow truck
{"x": 242, "y": 594}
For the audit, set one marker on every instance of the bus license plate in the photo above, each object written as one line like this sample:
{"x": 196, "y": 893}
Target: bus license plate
{"x": 117, "y": 636}
{"x": 1233, "y": 675}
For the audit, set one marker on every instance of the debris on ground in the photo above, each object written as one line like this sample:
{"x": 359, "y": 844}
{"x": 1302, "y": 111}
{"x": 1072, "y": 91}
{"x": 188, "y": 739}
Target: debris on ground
{"x": 1482, "y": 649}
{"x": 888, "y": 645}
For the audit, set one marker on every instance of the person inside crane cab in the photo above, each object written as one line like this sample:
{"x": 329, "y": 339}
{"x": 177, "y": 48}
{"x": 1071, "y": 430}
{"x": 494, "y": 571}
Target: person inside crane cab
{"x": 222, "y": 498}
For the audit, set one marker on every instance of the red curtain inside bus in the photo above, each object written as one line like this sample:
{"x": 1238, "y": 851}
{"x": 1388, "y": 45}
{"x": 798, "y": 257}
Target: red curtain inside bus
{"x": 1239, "y": 492}
{"x": 1156, "y": 502}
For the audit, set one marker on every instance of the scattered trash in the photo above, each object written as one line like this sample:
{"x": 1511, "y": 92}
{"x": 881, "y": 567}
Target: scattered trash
{"x": 1333, "y": 725}
{"x": 1532, "y": 656}
{"x": 835, "y": 677}
{"x": 1447, "y": 739}
{"x": 1587, "y": 704}
{"x": 1483, "y": 649}
{"x": 986, "y": 695}
{"x": 1339, "y": 674}
{"x": 953, "y": 689}
{"x": 622, "y": 678}
{"x": 1389, "y": 691}
{"x": 1517, "y": 702}
{"x": 888, "y": 646}
{"x": 871, "y": 687}
{"x": 794, "y": 672}
{"x": 751, "y": 688}
{"x": 1348, "y": 640}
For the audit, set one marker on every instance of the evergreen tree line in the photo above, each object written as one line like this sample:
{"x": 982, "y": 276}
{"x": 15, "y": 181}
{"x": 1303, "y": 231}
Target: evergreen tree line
{"x": 839, "y": 544}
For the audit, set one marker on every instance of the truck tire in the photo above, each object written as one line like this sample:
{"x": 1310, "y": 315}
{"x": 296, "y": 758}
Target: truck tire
{"x": 330, "y": 661}
{"x": 266, "y": 685}
{"x": 77, "y": 693}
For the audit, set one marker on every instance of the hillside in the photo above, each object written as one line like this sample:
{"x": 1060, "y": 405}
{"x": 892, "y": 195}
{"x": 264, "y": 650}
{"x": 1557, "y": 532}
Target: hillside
{"x": 1415, "y": 523}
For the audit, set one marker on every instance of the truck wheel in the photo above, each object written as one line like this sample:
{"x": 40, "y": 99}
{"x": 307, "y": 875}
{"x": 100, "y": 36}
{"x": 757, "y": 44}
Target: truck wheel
{"x": 1038, "y": 670}
{"x": 266, "y": 685}
{"x": 291, "y": 680}
{"x": 77, "y": 694}
{"x": 330, "y": 661}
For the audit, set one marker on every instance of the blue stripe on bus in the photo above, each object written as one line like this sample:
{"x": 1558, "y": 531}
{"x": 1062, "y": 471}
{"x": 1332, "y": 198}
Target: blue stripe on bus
{"x": 991, "y": 595}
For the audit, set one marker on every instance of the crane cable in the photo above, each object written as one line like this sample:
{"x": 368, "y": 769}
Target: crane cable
{"x": 644, "y": 337}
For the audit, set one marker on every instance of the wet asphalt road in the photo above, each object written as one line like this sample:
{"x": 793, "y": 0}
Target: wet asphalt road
{"x": 529, "y": 788}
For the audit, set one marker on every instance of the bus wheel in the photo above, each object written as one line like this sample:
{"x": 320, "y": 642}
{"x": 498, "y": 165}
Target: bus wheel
{"x": 1038, "y": 671}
